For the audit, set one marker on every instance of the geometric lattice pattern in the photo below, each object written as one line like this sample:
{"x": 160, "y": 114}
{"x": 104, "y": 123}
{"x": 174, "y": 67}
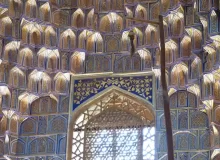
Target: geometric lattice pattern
{"x": 140, "y": 85}
{"x": 115, "y": 133}
{"x": 119, "y": 144}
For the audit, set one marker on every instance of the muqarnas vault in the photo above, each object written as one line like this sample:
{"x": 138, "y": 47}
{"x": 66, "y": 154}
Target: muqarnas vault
{"x": 47, "y": 116}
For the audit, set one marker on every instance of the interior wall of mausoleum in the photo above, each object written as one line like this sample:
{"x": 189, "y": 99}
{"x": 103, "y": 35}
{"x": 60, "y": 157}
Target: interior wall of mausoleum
{"x": 44, "y": 42}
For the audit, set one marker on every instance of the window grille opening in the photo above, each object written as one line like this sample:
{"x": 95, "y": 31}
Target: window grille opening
{"x": 113, "y": 134}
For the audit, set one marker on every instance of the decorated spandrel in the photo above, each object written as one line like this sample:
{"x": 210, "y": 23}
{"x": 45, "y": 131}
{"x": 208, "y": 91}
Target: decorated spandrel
{"x": 84, "y": 89}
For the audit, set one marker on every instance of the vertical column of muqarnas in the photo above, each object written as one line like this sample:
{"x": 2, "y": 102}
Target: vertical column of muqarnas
{"x": 210, "y": 86}
{"x": 13, "y": 77}
{"x": 35, "y": 89}
{"x": 191, "y": 58}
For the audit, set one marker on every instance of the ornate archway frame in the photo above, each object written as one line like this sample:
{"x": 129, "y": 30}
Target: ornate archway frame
{"x": 100, "y": 84}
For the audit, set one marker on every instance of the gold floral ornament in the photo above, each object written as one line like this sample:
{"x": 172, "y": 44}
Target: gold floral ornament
{"x": 86, "y": 88}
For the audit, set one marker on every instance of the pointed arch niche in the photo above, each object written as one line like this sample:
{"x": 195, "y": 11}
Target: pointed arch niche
{"x": 114, "y": 123}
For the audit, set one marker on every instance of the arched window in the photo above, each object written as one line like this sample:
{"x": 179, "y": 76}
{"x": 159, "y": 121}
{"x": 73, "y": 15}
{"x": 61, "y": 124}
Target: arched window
{"x": 114, "y": 127}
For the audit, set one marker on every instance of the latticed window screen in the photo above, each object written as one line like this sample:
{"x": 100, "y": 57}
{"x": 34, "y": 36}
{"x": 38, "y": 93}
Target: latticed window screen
{"x": 113, "y": 134}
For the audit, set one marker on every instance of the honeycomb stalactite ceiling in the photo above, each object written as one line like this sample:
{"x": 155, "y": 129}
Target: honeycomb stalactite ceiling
{"x": 44, "y": 42}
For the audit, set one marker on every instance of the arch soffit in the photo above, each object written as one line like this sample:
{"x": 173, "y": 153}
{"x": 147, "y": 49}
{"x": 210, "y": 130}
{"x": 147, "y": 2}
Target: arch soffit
{"x": 111, "y": 90}
{"x": 93, "y": 100}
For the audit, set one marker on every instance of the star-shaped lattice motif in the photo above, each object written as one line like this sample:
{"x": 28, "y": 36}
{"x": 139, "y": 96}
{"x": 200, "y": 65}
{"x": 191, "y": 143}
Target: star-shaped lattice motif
{"x": 138, "y": 85}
